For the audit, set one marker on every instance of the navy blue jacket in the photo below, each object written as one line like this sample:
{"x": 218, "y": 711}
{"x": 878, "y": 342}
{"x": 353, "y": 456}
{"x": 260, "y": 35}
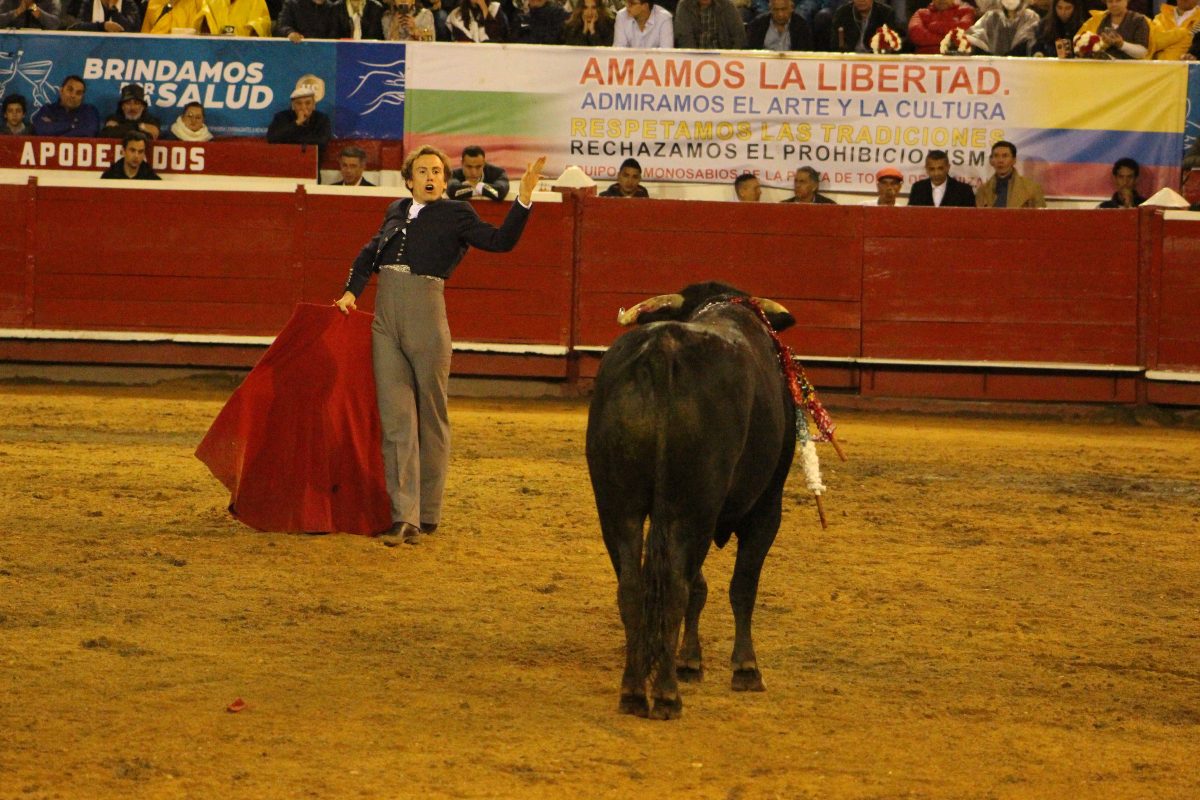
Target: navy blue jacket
{"x": 756, "y": 32}
{"x": 436, "y": 241}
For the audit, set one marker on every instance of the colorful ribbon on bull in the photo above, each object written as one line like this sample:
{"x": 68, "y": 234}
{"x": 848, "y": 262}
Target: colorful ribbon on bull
{"x": 804, "y": 395}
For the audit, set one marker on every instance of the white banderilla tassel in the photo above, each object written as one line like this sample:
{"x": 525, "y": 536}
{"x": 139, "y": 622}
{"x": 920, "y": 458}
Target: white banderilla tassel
{"x": 812, "y": 476}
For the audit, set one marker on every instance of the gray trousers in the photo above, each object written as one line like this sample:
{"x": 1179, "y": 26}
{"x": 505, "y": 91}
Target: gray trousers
{"x": 410, "y": 347}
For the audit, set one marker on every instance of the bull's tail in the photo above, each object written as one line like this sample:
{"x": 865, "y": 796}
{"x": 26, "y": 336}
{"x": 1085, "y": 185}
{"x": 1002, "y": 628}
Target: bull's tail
{"x": 660, "y": 579}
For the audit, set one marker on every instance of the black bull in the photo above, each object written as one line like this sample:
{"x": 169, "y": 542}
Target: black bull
{"x": 692, "y": 425}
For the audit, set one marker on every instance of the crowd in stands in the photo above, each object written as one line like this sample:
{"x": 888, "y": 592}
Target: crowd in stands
{"x": 1105, "y": 29}
{"x": 70, "y": 115}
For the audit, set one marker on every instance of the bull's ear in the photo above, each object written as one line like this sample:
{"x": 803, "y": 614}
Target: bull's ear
{"x": 780, "y": 318}
{"x": 656, "y": 309}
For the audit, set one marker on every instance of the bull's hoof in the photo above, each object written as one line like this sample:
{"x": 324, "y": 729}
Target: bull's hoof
{"x": 691, "y": 672}
{"x": 634, "y": 704}
{"x": 667, "y": 708}
{"x": 747, "y": 680}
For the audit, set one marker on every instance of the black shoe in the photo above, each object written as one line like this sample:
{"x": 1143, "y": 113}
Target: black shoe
{"x": 401, "y": 532}
{"x": 428, "y": 527}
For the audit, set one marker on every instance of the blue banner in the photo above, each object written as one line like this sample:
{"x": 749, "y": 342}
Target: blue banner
{"x": 1191, "y": 127}
{"x": 370, "y": 80}
{"x": 241, "y": 82}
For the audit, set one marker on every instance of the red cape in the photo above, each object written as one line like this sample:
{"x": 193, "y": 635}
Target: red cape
{"x": 298, "y": 443}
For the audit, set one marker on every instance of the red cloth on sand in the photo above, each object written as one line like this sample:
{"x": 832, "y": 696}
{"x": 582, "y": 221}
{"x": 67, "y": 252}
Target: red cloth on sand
{"x": 298, "y": 443}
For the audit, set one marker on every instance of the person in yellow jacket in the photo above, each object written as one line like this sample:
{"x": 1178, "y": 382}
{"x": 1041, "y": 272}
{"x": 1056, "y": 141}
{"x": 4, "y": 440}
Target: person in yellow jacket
{"x": 1172, "y": 32}
{"x": 163, "y": 16}
{"x": 239, "y": 18}
{"x": 1125, "y": 33}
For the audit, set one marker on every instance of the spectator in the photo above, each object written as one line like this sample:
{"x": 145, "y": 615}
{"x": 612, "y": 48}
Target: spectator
{"x": 805, "y": 184}
{"x": 14, "y": 117}
{"x": 780, "y": 29}
{"x": 1007, "y": 188}
{"x": 1125, "y": 177}
{"x": 190, "y": 126}
{"x": 132, "y": 114}
{"x": 629, "y": 181}
{"x": 476, "y": 178}
{"x": 1010, "y": 30}
{"x": 747, "y": 188}
{"x": 642, "y": 24}
{"x": 311, "y": 19}
{"x": 477, "y": 21}
{"x": 69, "y": 116}
{"x": 351, "y": 163}
{"x": 133, "y": 166}
{"x": 301, "y": 123}
{"x": 43, "y": 14}
{"x": 709, "y": 25}
{"x": 102, "y": 16}
{"x": 938, "y": 188}
{"x": 164, "y": 16}
{"x": 851, "y": 27}
{"x": 1125, "y": 33}
{"x": 590, "y": 25}
{"x": 238, "y": 18}
{"x": 929, "y": 26}
{"x": 1174, "y": 31}
{"x": 1191, "y": 159}
{"x": 1058, "y": 29}
{"x": 887, "y": 187}
{"x": 361, "y": 19}
{"x": 405, "y": 22}
{"x": 542, "y": 23}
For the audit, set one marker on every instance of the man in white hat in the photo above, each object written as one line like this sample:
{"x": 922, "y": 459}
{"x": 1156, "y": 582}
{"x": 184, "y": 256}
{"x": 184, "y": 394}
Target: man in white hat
{"x": 302, "y": 123}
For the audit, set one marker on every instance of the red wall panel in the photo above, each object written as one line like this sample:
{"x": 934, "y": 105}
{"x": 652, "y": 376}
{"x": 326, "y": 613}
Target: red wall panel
{"x": 807, "y": 258}
{"x": 213, "y": 262}
{"x": 1179, "y": 311}
{"x": 14, "y": 269}
{"x": 996, "y": 285}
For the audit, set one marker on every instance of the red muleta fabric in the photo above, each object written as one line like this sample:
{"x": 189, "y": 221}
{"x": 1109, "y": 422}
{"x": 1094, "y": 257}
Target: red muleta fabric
{"x": 298, "y": 443}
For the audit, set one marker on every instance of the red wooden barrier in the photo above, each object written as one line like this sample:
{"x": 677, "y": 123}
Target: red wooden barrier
{"x": 1062, "y": 305}
{"x": 1175, "y": 334}
{"x": 1178, "y": 332}
{"x": 14, "y": 251}
{"x": 205, "y": 262}
{"x": 960, "y": 285}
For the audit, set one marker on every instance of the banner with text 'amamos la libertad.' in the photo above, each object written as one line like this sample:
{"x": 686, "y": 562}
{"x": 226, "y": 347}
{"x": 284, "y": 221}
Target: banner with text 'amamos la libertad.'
{"x": 708, "y": 117}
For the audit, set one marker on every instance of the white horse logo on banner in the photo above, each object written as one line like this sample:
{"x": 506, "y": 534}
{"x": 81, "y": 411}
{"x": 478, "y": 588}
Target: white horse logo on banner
{"x": 34, "y": 73}
{"x": 383, "y": 83}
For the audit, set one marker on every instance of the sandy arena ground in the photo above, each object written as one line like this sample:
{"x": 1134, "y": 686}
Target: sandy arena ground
{"x": 1000, "y": 608}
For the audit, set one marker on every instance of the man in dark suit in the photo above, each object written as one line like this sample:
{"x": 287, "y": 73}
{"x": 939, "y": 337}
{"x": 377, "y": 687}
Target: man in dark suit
{"x": 850, "y": 28}
{"x": 476, "y": 178}
{"x": 780, "y": 29}
{"x": 804, "y": 188}
{"x": 419, "y": 244}
{"x": 351, "y": 163}
{"x": 939, "y": 189}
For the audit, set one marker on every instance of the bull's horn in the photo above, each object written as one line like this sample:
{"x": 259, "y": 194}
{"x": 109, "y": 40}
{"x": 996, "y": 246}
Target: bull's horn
{"x": 770, "y": 306}
{"x": 653, "y": 304}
